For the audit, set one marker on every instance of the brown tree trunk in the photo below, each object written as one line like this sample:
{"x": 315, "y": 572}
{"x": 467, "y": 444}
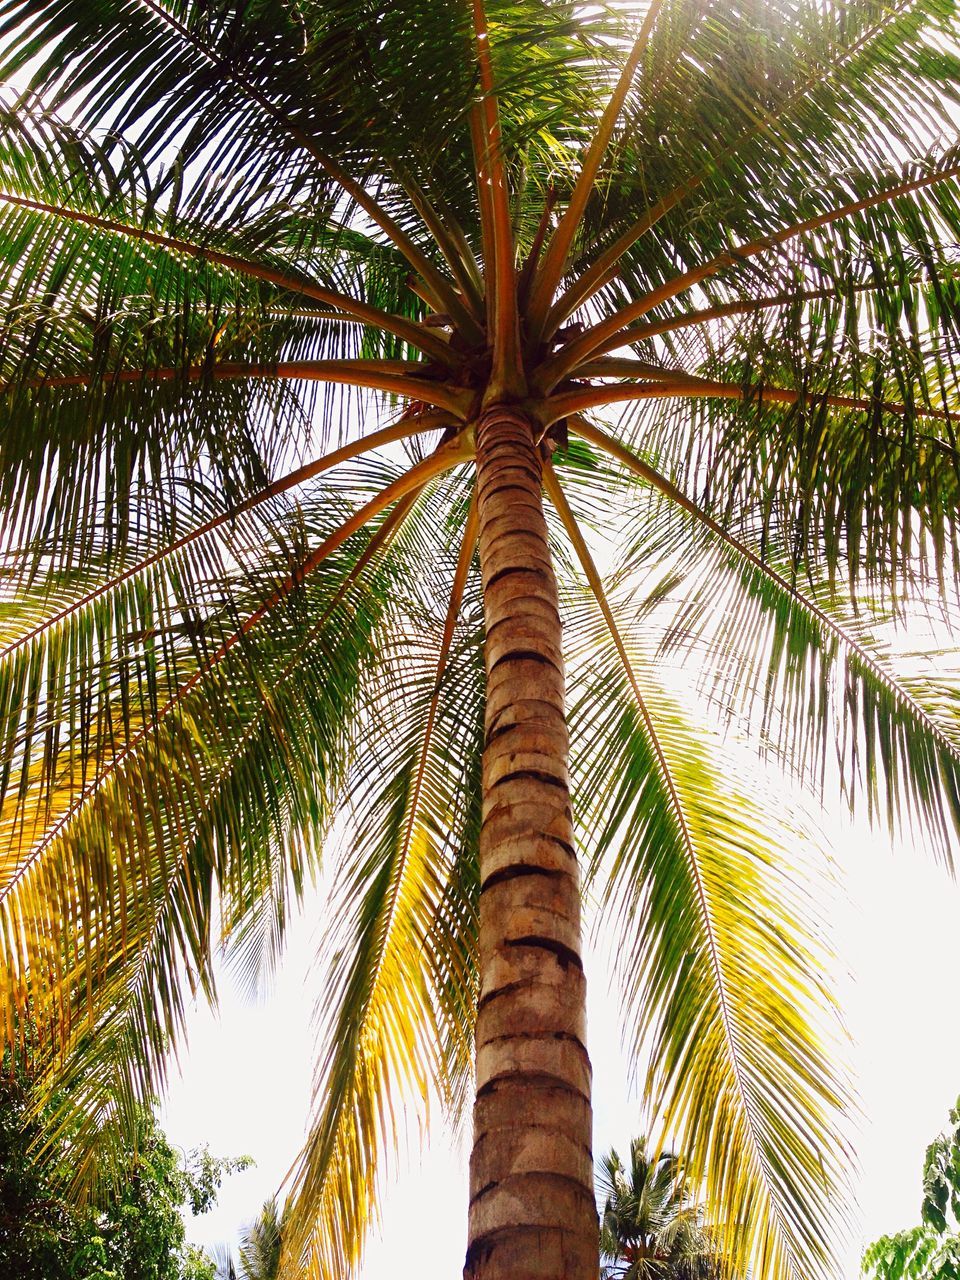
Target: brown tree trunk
{"x": 532, "y": 1210}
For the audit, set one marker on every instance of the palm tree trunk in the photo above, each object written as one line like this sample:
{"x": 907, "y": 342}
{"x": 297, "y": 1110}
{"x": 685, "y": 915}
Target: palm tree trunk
{"x": 532, "y": 1210}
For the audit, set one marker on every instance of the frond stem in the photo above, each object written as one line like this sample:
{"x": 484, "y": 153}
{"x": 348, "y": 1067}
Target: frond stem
{"x": 664, "y": 384}
{"x": 392, "y": 376}
{"x": 561, "y": 242}
{"x": 452, "y": 242}
{"x": 743, "y": 306}
{"x": 603, "y": 336}
{"x": 373, "y": 316}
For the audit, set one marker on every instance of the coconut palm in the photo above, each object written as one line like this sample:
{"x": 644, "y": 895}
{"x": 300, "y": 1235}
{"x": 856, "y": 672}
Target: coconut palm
{"x": 260, "y": 1249}
{"x": 650, "y": 1226}
{"x": 306, "y": 306}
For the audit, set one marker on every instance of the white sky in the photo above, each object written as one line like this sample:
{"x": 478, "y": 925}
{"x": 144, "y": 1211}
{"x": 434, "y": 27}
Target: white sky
{"x": 245, "y": 1083}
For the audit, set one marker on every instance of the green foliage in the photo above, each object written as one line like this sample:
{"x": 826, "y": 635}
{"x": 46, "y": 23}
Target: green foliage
{"x": 136, "y": 1232}
{"x": 198, "y": 1265}
{"x": 261, "y": 1243}
{"x": 651, "y": 1228}
{"x": 930, "y": 1251}
{"x": 916, "y": 1254}
{"x": 941, "y": 1178}
{"x": 36, "y": 1230}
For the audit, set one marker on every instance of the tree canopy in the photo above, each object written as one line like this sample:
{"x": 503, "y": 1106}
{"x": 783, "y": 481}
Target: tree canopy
{"x": 930, "y": 1251}
{"x": 134, "y": 1231}
{"x": 651, "y": 1226}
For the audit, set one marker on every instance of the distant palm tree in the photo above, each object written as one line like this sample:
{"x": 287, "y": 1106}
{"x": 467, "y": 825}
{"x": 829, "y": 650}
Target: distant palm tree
{"x": 685, "y": 270}
{"x": 260, "y": 1245}
{"x": 260, "y": 1248}
{"x": 650, "y": 1227}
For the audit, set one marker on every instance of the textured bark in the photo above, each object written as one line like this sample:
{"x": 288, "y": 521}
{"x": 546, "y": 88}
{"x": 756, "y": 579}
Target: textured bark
{"x": 532, "y": 1210}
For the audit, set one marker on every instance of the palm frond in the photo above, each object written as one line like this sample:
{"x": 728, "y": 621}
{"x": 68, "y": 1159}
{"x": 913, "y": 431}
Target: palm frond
{"x": 397, "y": 1011}
{"x": 699, "y": 889}
{"x": 69, "y": 753}
{"x": 734, "y": 126}
{"x": 222, "y": 811}
{"x": 804, "y": 671}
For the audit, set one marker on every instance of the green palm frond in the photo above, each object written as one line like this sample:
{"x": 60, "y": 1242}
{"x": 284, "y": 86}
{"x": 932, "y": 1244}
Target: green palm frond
{"x": 806, "y": 670}
{"x": 698, "y": 890}
{"x": 177, "y": 797}
{"x": 205, "y": 816}
{"x": 714, "y": 958}
{"x": 831, "y": 484}
{"x": 70, "y": 630}
{"x": 822, "y": 682}
{"x": 91, "y": 303}
{"x": 734, "y": 124}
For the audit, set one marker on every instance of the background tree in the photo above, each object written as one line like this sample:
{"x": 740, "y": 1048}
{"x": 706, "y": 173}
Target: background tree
{"x": 261, "y": 1244}
{"x": 930, "y": 1251}
{"x": 650, "y": 1223}
{"x": 136, "y": 1229}
{"x": 310, "y": 317}
{"x": 260, "y": 1249}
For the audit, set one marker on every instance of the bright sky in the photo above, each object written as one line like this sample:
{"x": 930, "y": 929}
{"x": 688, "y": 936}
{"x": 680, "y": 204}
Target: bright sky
{"x": 246, "y": 1081}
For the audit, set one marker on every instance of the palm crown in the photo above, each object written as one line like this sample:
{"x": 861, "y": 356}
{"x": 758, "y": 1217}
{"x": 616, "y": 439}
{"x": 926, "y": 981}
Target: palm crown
{"x": 260, "y": 1249}
{"x": 231, "y": 233}
{"x": 651, "y": 1225}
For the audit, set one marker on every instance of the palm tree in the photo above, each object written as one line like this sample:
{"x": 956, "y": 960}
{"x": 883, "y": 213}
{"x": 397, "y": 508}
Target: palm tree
{"x": 687, "y": 268}
{"x": 260, "y": 1249}
{"x": 650, "y": 1227}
